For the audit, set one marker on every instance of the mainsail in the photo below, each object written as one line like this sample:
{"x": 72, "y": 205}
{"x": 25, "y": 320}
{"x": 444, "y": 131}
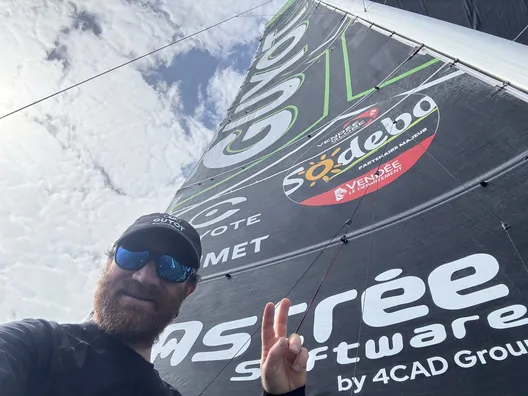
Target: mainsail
{"x": 372, "y": 168}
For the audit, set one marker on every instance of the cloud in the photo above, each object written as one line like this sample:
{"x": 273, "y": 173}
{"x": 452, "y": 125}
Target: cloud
{"x": 78, "y": 168}
{"x": 222, "y": 90}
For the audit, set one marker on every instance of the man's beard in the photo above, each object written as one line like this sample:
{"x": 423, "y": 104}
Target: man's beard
{"x": 132, "y": 324}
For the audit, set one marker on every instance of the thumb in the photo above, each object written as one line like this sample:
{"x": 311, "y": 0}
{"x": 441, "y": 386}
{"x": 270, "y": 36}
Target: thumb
{"x": 276, "y": 353}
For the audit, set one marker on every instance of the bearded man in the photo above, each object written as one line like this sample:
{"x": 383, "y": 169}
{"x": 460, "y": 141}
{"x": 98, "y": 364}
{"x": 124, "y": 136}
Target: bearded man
{"x": 151, "y": 269}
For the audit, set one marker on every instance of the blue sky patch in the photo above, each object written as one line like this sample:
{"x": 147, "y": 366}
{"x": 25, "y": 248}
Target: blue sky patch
{"x": 194, "y": 69}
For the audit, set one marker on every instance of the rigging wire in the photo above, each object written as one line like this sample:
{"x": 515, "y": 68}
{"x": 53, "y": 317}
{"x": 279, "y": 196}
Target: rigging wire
{"x": 520, "y": 34}
{"x": 351, "y": 107}
{"x": 260, "y": 326}
{"x": 371, "y": 239}
{"x": 346, "y": 225}
{"x": 212, "y": 178}
{"x": 314, "y": 13}
{"x": 363, "y": 300}
{"x": 132, "y": 60}
{"x": 468, "y": 190}
{"x": 250, "y": 163}
{"x": 515, "y": 248}
{"x": 330, "y": 265}
{"x": 287, "y": 294}
{"x": 354, "y": 105}
{"x": 338, "y": 249}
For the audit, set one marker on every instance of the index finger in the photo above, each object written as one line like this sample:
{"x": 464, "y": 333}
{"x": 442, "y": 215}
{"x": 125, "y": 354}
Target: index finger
{"x": 268, "y": 334}
{"x": 281, "y": 319}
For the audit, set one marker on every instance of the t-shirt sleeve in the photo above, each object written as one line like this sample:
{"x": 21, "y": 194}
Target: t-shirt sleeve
{"x": 25, "y": 351}
{"x": 296, "y": 392}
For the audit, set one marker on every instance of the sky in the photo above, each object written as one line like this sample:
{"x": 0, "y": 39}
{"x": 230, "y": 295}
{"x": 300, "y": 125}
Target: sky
{"x": 77, "y": 169}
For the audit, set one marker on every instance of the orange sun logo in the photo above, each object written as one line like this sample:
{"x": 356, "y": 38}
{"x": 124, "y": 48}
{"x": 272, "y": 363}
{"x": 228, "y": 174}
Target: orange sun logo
{"x": 320, "y": 170}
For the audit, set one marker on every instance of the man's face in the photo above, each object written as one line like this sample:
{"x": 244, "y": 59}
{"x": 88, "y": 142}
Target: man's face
{"x": 137, "y": 305}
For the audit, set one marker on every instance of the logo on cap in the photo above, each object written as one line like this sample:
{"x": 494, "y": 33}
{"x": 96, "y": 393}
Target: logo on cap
{"x": 174, "y": 222}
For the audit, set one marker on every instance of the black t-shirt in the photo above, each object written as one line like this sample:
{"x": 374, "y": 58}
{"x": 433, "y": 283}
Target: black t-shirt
{"x": 38, "y": 357}
{"x": 42, "y": 358}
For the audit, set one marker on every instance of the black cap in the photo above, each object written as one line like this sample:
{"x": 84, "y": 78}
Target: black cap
{"x": 180, "y": 231}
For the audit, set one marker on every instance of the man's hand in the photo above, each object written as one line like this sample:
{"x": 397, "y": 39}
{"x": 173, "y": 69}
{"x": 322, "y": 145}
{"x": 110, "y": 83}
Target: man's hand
{"x": 283, "y": 363}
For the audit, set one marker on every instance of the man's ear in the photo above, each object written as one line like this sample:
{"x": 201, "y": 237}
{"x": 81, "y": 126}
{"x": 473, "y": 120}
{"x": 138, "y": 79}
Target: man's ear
{"x": 191, "y": 288}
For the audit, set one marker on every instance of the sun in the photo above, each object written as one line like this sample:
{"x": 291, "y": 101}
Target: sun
{"x": 320, "y": 170}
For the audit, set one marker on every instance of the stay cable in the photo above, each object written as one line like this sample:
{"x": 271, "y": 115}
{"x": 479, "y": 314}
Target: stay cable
{"x": 132, "y": 61}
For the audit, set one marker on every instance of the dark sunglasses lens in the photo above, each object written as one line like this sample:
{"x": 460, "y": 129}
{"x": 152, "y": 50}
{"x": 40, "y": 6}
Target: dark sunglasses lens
{"x": 171, "y": 270}
{"x": 130, "y": 260}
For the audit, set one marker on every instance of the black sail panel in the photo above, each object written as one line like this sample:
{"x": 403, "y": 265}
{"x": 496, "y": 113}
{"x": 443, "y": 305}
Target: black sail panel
{"x": 341, "y": 129}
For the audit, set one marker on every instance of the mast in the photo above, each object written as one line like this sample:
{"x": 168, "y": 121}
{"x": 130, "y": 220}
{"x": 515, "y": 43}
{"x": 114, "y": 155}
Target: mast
{"x": 372, "y": 168}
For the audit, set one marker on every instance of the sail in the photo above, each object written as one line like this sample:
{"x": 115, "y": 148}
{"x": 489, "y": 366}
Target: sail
{"x": 506, "y": 19}
{"x": 381, "y": 186}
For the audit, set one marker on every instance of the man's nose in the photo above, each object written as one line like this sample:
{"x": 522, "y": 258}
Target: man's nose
{"x": 147, "y": 275}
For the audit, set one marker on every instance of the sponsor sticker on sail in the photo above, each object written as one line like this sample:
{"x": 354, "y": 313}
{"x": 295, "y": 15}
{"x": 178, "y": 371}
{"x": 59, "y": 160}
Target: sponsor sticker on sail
{"x": 372, "y": 150}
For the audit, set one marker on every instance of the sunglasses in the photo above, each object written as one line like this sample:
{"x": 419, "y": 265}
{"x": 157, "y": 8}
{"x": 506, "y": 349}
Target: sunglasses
{"x": 168, "y": 268}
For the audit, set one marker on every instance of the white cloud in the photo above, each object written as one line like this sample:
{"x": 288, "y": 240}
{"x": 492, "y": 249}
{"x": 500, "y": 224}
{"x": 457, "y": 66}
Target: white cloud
{"x": 78, "y": 168}
{"x": 222, "y": 90}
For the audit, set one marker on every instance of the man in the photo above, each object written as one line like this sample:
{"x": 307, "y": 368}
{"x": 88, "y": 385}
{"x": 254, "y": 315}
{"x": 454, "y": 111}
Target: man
{"x": 151, "y": 269}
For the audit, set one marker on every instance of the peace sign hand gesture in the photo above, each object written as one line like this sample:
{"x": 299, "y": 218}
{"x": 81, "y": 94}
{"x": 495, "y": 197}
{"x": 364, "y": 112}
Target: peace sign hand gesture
{"x": 283, "y": 363}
